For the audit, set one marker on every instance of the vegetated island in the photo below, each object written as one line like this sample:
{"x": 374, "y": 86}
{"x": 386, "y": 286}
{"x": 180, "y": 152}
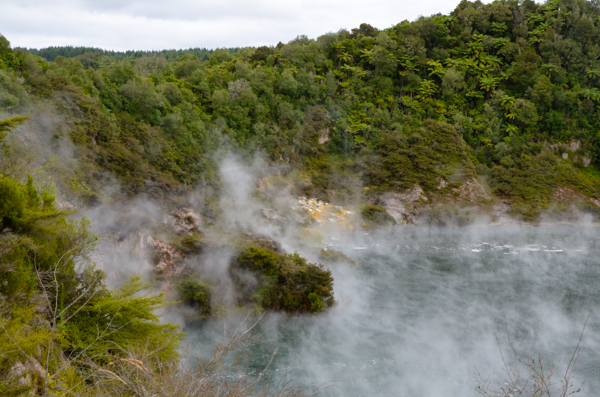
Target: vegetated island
{"x": 489, "y": 112}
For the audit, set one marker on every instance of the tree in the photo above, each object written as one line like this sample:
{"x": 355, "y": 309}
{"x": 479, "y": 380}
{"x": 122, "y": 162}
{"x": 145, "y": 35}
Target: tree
{"x": 7, "y": 56}
{"x": 541, "y": 93}
{"x": 488, "y": 84}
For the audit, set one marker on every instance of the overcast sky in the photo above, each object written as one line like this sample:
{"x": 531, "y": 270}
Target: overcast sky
{"x": 160, "y": 24}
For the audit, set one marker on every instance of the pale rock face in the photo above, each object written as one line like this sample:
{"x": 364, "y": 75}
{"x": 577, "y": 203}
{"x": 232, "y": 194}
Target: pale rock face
{"x": 270, "y": 213}
{"x": 567, "y": 195}
{"x": 19, "y": 373}
{"x": 500, "y": 213}
{"x": 396, "y": 204}
{"x": 574, "y": 145}
{"x": 395, "y": 208}
{"x": 586, "y": 161}
{"x": 164, "y": 256}
{"x": 413, "y": 195}
{"x": 64, "y": 205}
{"x": 184, "y": 221}
{"x": 26, "y": 375}
{"x": 324, "y": 136}
{"x": 442, "y": 183}
{"x": 471, "y": 191}
{"x": 565, "y": 156}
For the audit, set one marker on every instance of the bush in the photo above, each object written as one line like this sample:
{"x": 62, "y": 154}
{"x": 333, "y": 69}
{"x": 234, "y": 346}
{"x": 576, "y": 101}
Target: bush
{"x": 285, "y": 281}
{"x": 377, "y": 215}
{"x": 196, "y": 294}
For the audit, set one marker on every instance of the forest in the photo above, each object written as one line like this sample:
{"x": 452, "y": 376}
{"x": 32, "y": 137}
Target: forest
{"x": 502, "y": 96}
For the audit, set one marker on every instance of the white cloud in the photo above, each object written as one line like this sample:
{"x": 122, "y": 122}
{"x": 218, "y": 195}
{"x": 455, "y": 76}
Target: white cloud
{"x": 154, "y": 24}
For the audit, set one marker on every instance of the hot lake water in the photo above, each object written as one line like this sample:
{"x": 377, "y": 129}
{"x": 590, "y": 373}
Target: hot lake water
{"x": 424, "y": 310}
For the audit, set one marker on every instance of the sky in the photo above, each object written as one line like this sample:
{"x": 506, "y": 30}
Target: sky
{"x": 174, "y": 24}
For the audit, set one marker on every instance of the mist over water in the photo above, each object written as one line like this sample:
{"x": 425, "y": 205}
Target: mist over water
{"x": 421, "y": 310}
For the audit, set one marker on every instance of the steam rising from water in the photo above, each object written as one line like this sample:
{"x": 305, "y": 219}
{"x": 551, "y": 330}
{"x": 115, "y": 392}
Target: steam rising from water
{"x": 422, "y": 309}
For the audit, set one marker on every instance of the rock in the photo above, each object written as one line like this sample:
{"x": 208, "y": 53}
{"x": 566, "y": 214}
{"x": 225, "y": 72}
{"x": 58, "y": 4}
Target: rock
{"x": 270, "y": 213}
{"x": 572, "y": 146}
{"x": 18, "y": 373}
{"x": 64, "y": 205}
{"x": 500, "y": 214}
{"x": 586, "y": 161}
{"x": 399, "y": 205}
{"x": 566, "y": 195}
{"x": 164, "y": 256}
{"x": 394, "y": 207}
{"x": 442, "y": 183}
{"x": 324, "y": 136}
{"x": 27, "y": 375}
{"x": 184, "y": 221}
{"x": 413, "y": 195}
{"x": 471, "y": 191}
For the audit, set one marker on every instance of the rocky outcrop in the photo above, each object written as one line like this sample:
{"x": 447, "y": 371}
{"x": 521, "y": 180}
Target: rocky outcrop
{"x": 64, "y": 205}
{"x": 411, "y": 196}
{"x": 183, "y": 221}
{"x": 572, "y": 150}
{"x": 442, "y": 183}
{"x": 401, "y": 206}
{"x": 27, "y": 377}
{"x": 472, "y": 192}
{"x": 164, "y": 256}
{"x": 566, "y": 195}
{"x": 324, "y": 136}
{"x": 407, "y": 206}
{"x": 269, "y": 213}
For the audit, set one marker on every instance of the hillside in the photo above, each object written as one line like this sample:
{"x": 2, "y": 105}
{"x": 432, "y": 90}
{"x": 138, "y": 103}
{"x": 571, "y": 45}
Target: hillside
{"x": 239, "y": 156}
{"x": 504, "y": 93}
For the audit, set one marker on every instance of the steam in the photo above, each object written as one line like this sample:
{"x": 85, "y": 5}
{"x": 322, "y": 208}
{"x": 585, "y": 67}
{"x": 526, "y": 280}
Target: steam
{"x": 423, "y": 309}
{"x": 417, "y": 315}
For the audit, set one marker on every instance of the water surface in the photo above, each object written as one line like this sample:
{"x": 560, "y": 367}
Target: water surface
{"x": 420, "y": 312}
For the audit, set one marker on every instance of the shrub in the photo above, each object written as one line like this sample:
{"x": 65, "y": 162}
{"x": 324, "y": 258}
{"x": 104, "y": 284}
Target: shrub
{"x": 377, "y": 215}
{"x": 196, "y": 294}
{"x": 285, "y": 281}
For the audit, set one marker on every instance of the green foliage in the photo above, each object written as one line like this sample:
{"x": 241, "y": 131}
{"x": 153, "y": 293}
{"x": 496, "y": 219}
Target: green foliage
{"x": 285, "y": 281}
{"x": 8, "y": 59}
{"x": 195, "y": 293}
{"x": 532, "y": 179}
{"x": 50, "y": 53}
{"x": 53, "y": 303}
{"x": 376, "y": 215}
{"x": 396, "y": 107}
{"x": 333, "y": 256}
{"x": 490, "y": 90}
{"x": 23, "y": 339}
{"x": 12, "y": 203}
{"x": 7, "y": 124}
{"x": 115, "y": 321}
{"x": 419, "y": 156}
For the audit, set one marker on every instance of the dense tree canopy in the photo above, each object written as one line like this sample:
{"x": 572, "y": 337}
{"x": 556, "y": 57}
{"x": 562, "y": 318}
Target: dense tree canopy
{"x": 510, "y": 79}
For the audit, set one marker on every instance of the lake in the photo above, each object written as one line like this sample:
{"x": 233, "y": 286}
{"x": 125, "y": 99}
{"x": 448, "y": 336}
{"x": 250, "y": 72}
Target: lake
{"x": 425, "y": 308}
